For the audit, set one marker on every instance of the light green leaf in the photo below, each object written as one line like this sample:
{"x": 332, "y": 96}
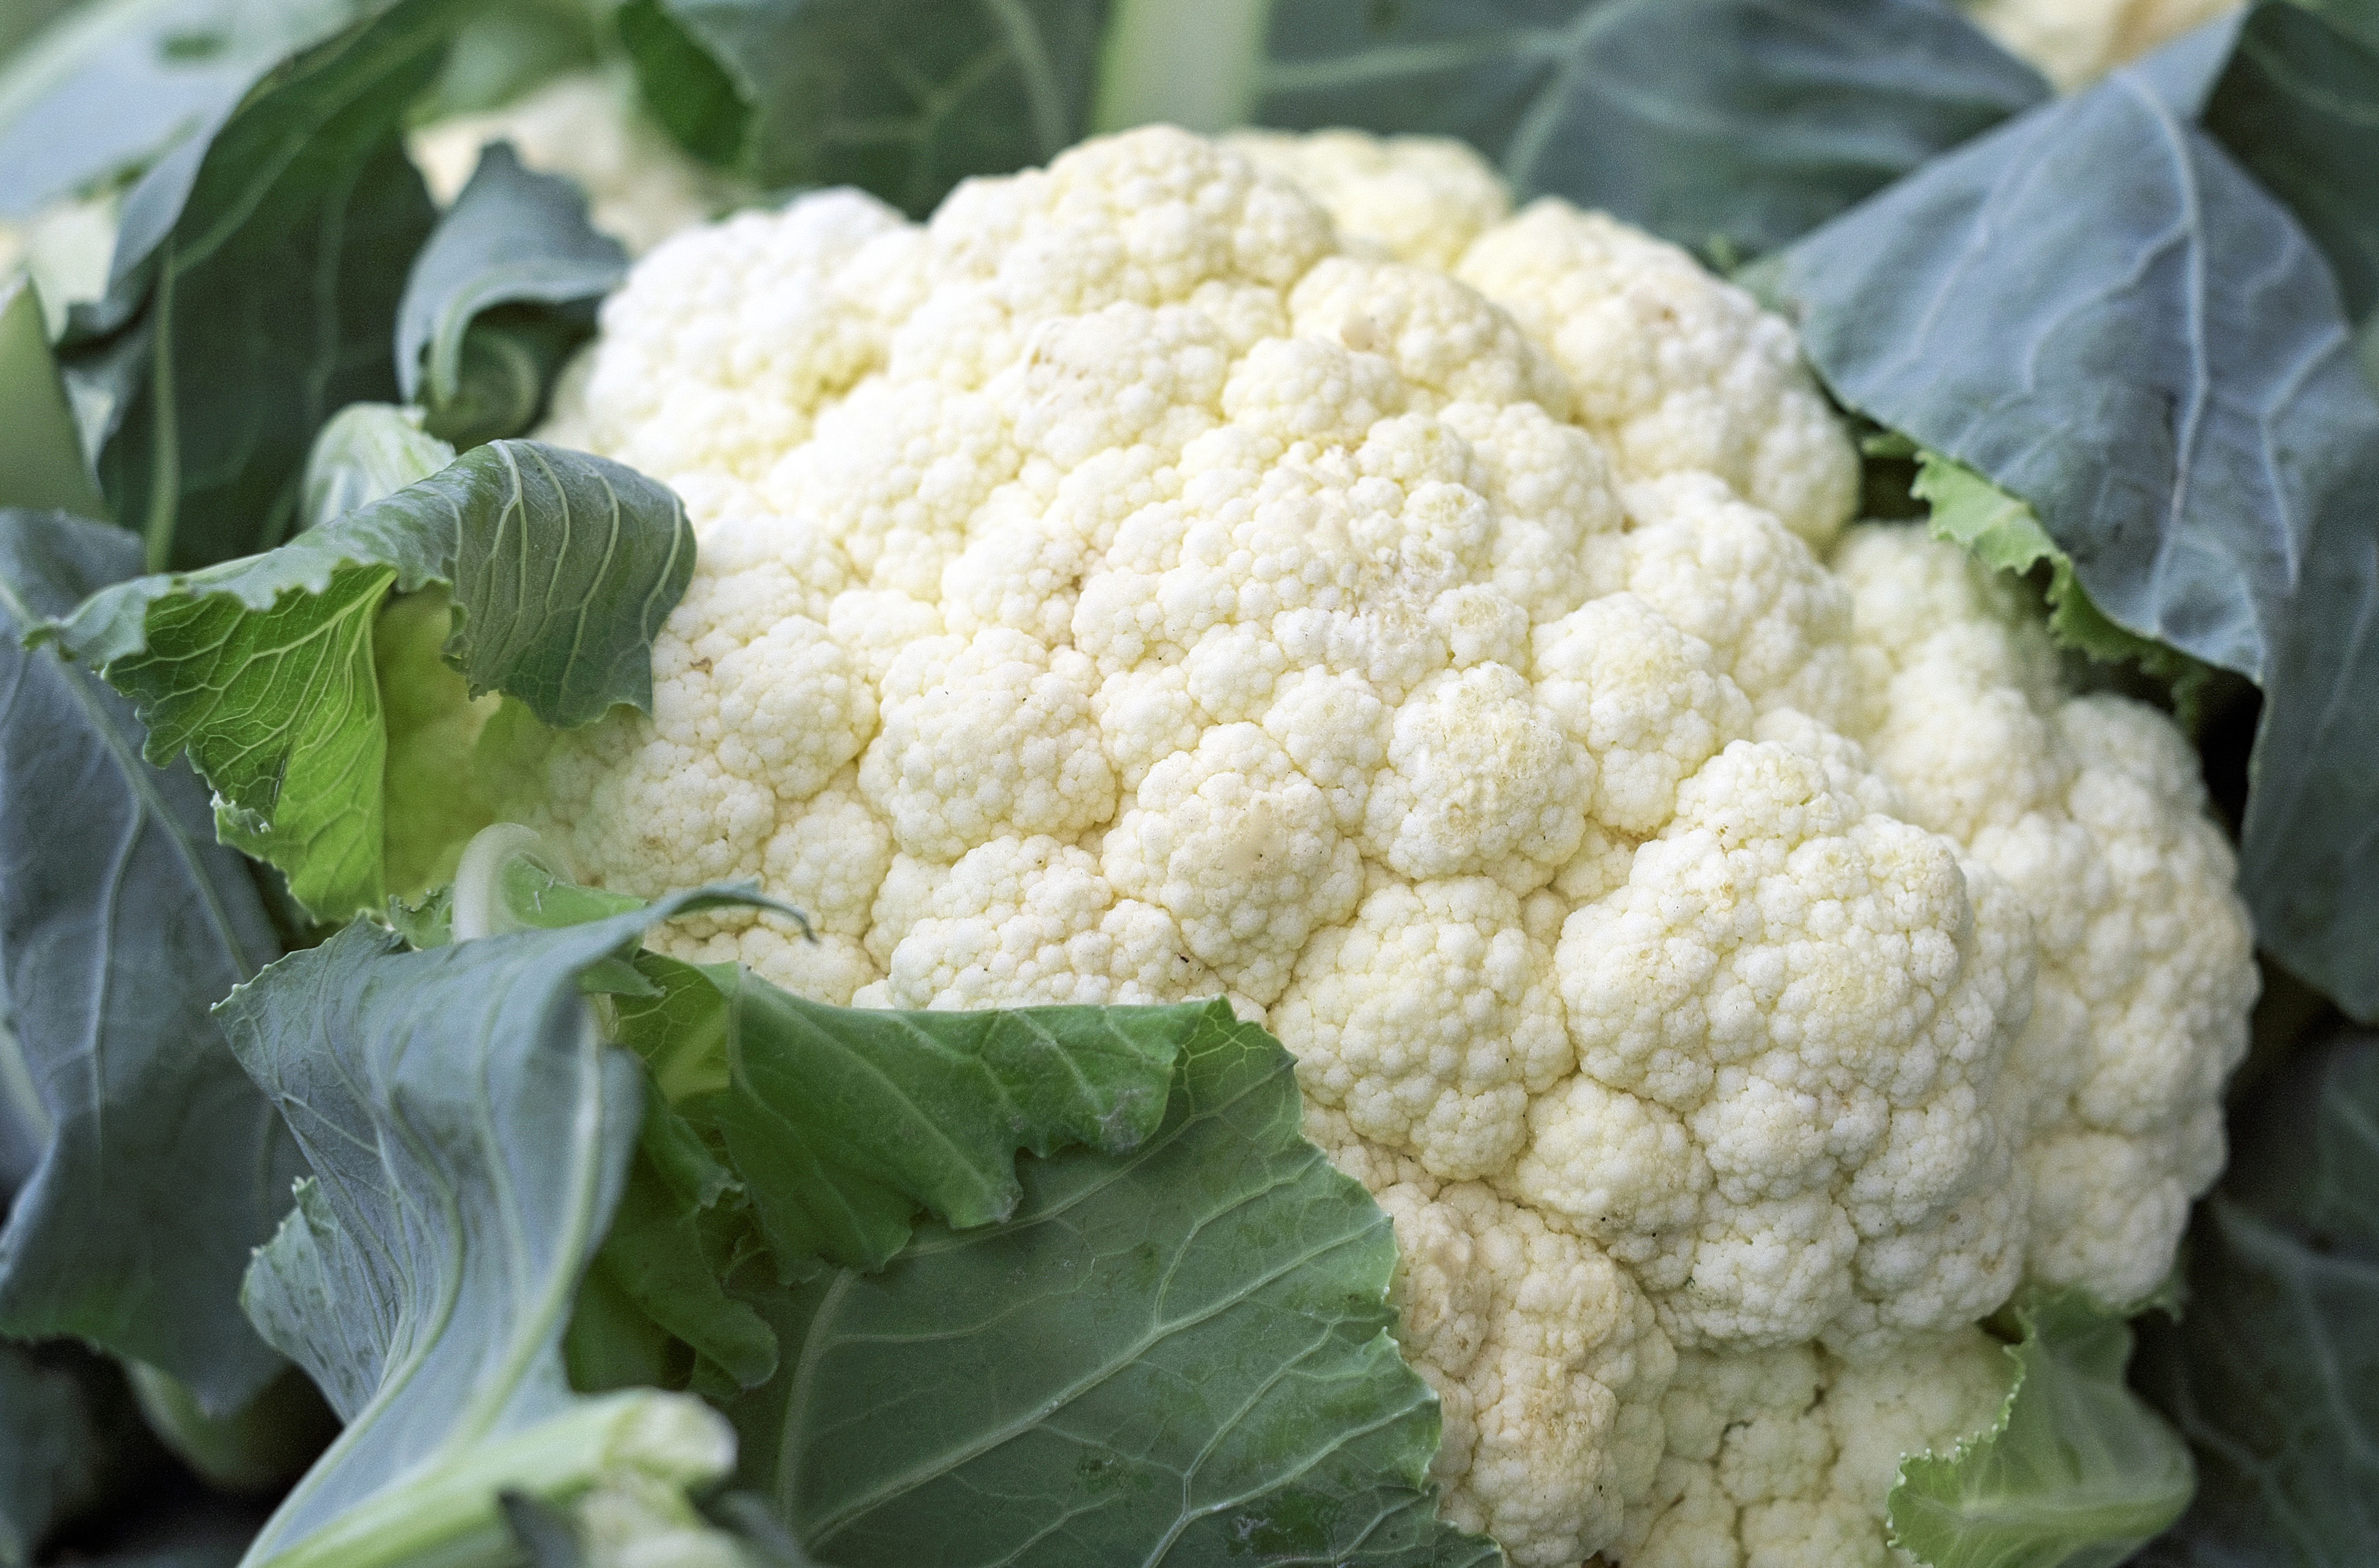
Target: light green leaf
{"x": 562, "y": 567}
{"x": 1177, "y": 1356}
{"x": 2076, "y": 1472}
{"x": 514, "y": 242}
{"x": 470, "y": 1134}
{"x": 2006, "y": 534}
{"x": 367, "y": 450}
{"x": 159, "y": 1164}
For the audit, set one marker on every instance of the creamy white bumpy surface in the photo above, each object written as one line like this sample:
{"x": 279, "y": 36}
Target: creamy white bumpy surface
{"x": 1732, "y": 958}
{"x": 2073, "y": 42}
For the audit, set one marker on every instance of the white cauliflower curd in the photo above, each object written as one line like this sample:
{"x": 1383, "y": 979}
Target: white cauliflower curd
{"x": 1730, "y": 956}
{"x": 2073, "y": 42}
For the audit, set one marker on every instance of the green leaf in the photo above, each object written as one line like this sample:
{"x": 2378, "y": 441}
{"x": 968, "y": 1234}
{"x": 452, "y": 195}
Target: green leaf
{"x": 2272, "y": 1372}
{"x": 470, "y": 1133}
{"x": 1181, "y": 1354}
{"x": 121, "y": 921}
{"x": 106, "y": 89}
{"x": 256, "y": 273}
{"x": 2299, "y": 105}
{"x": 2076, "y": 1472}
{"x": 669, "y": 1244}
{"x": 53, "y": 1458}
{"x": 41, "y": 463}
{"x": 681, "y": 1027}
{"x": 259, "y": 1448}
{"x": 512, "y": 238}
{"x": 905, "y": 101}
{"x": 508, "y": 49}
{"x": 1732, "y": 126}
{"x": 843, "y": 1121}
{"x": 561, "y": 566}
{"x": 367, "y": 450}
{"x": 2166, "y": 378}
{"x": 2006, "y": 534}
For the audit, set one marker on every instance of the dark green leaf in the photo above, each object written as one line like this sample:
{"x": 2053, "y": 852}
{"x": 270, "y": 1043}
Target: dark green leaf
{"x": 2166, "y": 377}
{"x": 258, "y": 267}
{"x": 2272, "y": 1371}
{"x": 508, "y": 49}
{"x": 2299, "y": 105}
{"x": 106, "y": 89}
{"x": 843, "y": 1121}
{"x": 53, "y": 1458}
{"x": 2310, "y": 859}
{"x": 2163, "y": 375}
{"x": 905, "y": 101}
{"x": 1177, "y": 1356}
{"x": 688, "y": 93}
{"x": 512, "y": 238}
{"x": 669, "y": 1244}
{"x": 256, "y": 1450}
{"x": 41, "y": 463}
{"x": 544, "y": 1533}
{"x": 2076, "y": 1472}
{"x": 121, "y": 921}
{"x": 471, "y": 1133}
{"x": 1732, "y": 126}
{"x": 563, "y": 567}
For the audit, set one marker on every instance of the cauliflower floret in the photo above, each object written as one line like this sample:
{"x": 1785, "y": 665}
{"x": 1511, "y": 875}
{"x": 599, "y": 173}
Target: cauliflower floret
{"x": 1420, "y": 198}
{"x": 1676, "y": 371}
{"x": 1544, "y": 1355}
{"x": 1782, "y": 1458}
{"x": 587, "y": 125}
{"x": 1707, "y": 933}
{"x": 2073, "y": 42}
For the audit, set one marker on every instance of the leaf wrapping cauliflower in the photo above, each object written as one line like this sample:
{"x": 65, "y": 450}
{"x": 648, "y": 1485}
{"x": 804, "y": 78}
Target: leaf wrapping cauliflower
{"x": 1732, "y": 959}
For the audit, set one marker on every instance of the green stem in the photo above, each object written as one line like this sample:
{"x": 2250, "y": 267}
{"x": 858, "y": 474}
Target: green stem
{"x": 449, "y": 1516}
{"x": 166, "y": 474}
{"x": 1197, "y": 66}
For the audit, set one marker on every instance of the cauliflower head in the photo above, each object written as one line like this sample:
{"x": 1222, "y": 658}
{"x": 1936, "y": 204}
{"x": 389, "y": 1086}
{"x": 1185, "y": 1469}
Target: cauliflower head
{"x": 1729, "y": 952}
{"x": 2073, "y": 42}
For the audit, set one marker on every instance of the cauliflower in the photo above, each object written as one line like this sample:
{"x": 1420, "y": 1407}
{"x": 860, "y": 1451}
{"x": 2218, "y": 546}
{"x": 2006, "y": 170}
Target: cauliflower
{"x": 587, "y": 125}
{"x": 2073, "y": 42}
{"x": 1730, "y": 955}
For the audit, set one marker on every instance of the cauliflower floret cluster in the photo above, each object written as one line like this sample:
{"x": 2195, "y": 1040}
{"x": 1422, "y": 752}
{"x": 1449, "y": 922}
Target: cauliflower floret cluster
{"x": 1729, "y": 954}
{"x": 2073, "y": 42}
{"x": 587, "y": 125}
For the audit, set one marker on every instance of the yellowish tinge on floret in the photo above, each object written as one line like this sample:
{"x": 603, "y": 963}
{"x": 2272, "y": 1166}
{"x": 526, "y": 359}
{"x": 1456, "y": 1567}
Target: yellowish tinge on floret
{"x": 1710, "y": 931}
{"x": 2073, "y": 42}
